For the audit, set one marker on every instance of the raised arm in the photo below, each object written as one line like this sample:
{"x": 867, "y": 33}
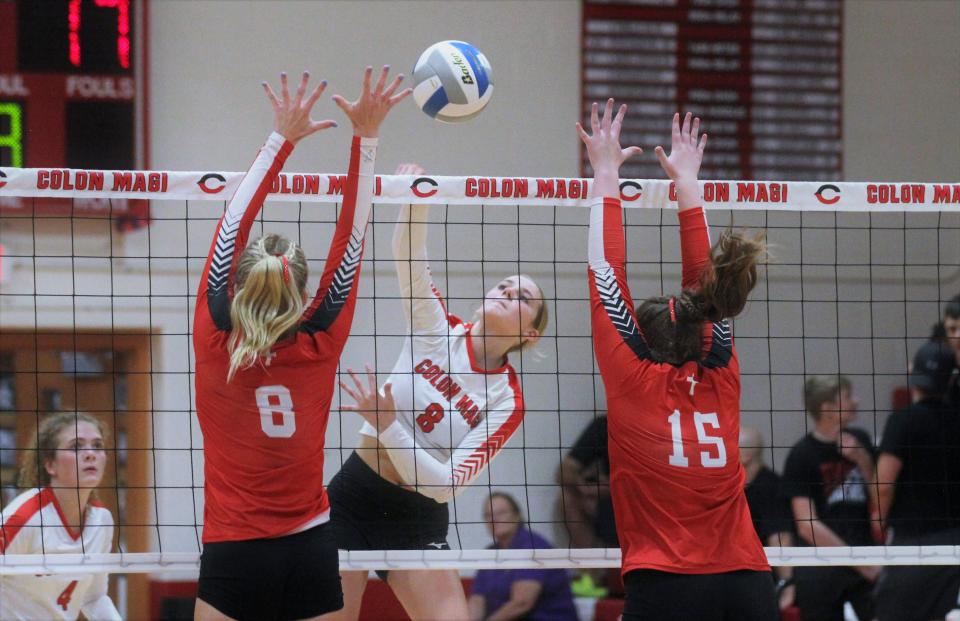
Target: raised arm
{"x": 617, "y": 339}
{"x": 291, "y": 123}
{"x": 683, "y": 166}
{"x": 421, "y": 301}
{"x": 330, "y": 314}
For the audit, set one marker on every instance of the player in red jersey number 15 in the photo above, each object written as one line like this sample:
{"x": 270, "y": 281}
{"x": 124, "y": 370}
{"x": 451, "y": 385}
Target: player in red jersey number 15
{"x": 672, "y": 382}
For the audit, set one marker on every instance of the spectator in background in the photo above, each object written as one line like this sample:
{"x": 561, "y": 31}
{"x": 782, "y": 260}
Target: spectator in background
{"x": 504, "y": 594}
{"x": 585, "y": 477}
{"x": 769, "y": 509}
{"x": 829, "y": 480}
{"x": 919, "y": 489}
{"x": 949, "y": 331}
{"x": 949, "y": 325}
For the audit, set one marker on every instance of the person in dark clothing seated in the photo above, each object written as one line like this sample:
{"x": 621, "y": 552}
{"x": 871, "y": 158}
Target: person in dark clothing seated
{"x": 918, "y": 477}
{"x": 585, "y": 477}
{"x": 769, "y": 509}
{"x": 530, "y": 594}
{"x": 829, "y": 478}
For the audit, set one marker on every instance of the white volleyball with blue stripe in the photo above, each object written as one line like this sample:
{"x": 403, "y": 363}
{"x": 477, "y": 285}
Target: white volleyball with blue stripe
{"x": 452, "y": 81}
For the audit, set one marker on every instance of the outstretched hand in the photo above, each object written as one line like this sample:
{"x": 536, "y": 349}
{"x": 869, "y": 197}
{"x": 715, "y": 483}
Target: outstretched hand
{"x": 686, "y": 150}
{"x": 369, "y": 110}
{"x": 377, "y": 408}
{"x": 603, "y": 143}
{"x": 409, "y": 168}
{"x": 291, "y": 117}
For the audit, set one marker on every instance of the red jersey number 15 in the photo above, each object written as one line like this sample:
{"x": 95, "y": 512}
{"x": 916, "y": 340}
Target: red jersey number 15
{"x": 715, "y": 458}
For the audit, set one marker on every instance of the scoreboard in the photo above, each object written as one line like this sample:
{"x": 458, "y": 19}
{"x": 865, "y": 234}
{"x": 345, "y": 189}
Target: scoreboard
{"x": 70, "y": 92}
{"x": 763, "y": 75}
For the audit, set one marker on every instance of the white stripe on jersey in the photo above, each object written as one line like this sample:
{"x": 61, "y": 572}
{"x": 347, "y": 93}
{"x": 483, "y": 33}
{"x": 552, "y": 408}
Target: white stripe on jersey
{"x": 225, "y": 247}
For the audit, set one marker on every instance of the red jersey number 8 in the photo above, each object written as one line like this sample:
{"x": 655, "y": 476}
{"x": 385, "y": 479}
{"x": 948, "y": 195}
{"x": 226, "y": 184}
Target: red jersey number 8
{"x": 276, "y": 411}
{"x": 431, "y": 416}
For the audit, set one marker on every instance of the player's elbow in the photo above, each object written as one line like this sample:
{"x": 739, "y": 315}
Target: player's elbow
{"x": 521, "y": 606}
{"x": 444, "y": 497}
{"x": 101, "y": 608}
{"x": 440, "y": 491}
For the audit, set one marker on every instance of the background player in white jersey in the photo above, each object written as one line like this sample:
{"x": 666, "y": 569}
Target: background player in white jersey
{"x": 59, "y": 514}
{"x": 451, "y": 403}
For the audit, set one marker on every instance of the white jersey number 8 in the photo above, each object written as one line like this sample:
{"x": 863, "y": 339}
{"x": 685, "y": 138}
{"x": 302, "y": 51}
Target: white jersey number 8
{"x": 274, "y": 402}
{"x": 700, "y": 419}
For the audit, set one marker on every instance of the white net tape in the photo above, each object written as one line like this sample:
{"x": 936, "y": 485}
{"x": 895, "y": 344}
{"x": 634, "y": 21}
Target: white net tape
{"x": 510, "y": 191}
{"x": 896, "y": 244}
{"x": 574, "y": 558}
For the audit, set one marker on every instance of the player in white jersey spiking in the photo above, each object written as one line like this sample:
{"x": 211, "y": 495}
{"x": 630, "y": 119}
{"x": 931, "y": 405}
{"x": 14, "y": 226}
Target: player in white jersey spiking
{"x": 451, "y": 403}
{"x": 59, "y": 514}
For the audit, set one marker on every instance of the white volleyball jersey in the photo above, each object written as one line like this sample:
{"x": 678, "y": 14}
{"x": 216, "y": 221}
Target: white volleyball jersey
{"x": 453, "y": 416}
{"x": 33, "y": 523}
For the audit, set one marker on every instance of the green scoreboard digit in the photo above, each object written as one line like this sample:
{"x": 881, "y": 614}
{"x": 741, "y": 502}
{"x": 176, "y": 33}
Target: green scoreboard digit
{"x": 11, "y": 133}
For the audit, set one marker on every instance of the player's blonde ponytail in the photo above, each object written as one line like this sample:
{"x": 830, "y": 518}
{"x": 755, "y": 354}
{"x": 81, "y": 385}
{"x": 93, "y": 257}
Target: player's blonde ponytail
{"x": 271, "y": 283}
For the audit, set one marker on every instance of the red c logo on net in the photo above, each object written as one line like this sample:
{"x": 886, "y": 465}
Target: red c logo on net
{"x": 212, "y": 188}
{"x": 630, "y": 197}
{"x": 419, "y": 181}
{"x": 827, "y": 199}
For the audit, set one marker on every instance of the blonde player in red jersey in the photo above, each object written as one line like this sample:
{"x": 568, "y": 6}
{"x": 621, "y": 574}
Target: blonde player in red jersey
{"x": 59, "y": 514}
{"x": 672, "y": 381}
{"x": 266, "y": 362}
{"x": 452, "y": 402}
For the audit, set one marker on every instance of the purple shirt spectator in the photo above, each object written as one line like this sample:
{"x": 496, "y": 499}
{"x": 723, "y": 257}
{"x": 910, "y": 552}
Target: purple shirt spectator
{"x": 555, "y": 602}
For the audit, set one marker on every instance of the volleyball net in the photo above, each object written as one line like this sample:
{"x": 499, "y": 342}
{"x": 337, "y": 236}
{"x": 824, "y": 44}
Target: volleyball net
{"x": 97, "y": 293}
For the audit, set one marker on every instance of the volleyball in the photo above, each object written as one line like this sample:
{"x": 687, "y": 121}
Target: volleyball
{"x": 452, "y": 81}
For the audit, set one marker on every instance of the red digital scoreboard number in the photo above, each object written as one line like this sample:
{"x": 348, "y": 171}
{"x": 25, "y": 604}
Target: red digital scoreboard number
{"x": 69, "y": 89}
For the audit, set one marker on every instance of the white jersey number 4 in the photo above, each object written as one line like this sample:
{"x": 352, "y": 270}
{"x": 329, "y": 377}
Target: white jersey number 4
{"x": 276, "y": 411}
{"x": 708, "y": 459}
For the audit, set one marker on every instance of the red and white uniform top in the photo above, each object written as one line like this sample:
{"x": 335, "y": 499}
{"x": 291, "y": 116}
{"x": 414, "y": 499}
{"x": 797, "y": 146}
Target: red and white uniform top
{"x": 453, "y": 416}
{"x": 675, "y": 474}
{"x": 263, "y": 432}
{"x": 33, "y": 523}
